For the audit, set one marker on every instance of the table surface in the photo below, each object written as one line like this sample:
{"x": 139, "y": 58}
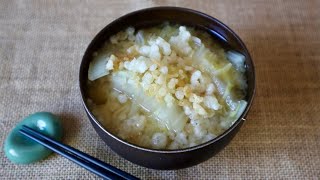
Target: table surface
{"x": 42, "y": 43}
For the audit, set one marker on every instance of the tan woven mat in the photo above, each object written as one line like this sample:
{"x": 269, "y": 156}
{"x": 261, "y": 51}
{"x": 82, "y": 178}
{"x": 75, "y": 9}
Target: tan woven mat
{"x": 42, "y": 43}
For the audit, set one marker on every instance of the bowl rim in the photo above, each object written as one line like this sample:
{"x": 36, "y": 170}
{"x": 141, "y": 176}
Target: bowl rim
{"x": 173, "y": 151}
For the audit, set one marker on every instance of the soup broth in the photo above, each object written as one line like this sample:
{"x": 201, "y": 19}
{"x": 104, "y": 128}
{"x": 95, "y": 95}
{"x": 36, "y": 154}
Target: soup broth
{"x": 166, "y": 87}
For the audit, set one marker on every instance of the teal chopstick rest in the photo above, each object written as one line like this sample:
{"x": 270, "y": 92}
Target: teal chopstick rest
{"x": 22, "y": 150}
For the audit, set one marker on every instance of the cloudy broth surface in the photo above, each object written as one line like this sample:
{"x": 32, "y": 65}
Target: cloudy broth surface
{"x": 166, "y": 87}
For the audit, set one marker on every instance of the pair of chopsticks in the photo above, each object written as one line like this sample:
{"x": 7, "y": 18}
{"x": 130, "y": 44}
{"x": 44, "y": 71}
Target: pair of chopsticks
{"x": 88, "y": 162}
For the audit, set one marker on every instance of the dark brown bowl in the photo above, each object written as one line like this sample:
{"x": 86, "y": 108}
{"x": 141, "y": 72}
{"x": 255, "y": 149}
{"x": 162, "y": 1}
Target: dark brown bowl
{"x": 168, "y": 159}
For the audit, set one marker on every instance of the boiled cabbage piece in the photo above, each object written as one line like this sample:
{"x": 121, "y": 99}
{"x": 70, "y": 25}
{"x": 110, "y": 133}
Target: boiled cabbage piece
{"x": 223, "y": 75}
{"x": 97, "y": 68}
{"x": 241, "y": 106}
{"x": 173, "y": 117}
{"x": 237, "y": 60}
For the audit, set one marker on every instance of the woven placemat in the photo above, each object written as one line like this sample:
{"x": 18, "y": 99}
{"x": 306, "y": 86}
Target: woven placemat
{"x": 42, "y": 43}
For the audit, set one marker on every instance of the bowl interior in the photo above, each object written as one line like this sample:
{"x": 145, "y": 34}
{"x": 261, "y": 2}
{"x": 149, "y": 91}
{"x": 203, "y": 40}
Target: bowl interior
{"x": 155, "y": 16}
